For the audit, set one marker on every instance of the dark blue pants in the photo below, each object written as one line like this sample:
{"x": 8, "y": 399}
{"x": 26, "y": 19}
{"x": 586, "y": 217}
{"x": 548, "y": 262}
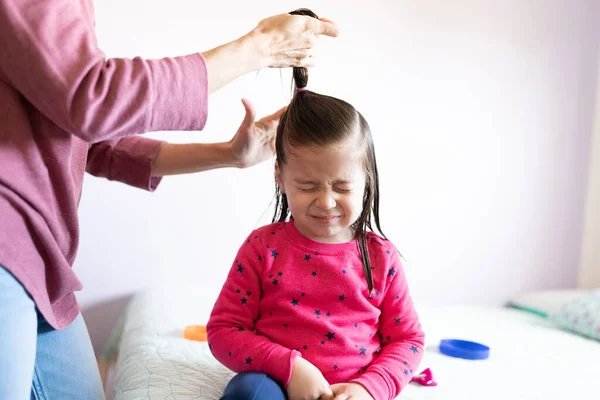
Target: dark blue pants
{"x": 253, "y": 386}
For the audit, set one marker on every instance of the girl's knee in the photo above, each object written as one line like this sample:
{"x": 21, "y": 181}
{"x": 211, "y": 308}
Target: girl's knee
{"x": 253, "y": 386}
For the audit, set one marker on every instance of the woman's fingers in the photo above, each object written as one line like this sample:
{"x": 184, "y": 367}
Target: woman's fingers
{"x": 324, "y": 26}
{"x": 250, "y": 113}
{"x": 341, "y": 396}
{"x": 295, "y": 58}
{"x": 290, "y": 40}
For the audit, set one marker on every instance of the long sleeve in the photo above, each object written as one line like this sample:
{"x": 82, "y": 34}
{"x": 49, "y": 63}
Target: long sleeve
{"x": 401, "y": 336}
{"x": 50, "y": 55}
{"x": 128, "y": 160}
{"x": 231, "y": 328}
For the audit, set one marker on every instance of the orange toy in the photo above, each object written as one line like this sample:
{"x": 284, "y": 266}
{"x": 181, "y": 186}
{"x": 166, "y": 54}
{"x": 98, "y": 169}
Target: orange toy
{"x": 195, "y": 332}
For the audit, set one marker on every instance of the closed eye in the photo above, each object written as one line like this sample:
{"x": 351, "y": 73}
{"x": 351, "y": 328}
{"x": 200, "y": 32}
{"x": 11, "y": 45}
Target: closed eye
{"x": 307, "y": 189}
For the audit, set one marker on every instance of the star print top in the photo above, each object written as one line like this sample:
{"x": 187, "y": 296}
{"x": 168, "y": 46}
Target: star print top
{"x": 288, "y": 296}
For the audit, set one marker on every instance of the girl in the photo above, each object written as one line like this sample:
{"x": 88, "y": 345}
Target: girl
{"x": 317, "y": 305}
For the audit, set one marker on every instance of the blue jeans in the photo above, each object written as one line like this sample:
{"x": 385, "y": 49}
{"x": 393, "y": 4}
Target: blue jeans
{"x": 38, "y": 362}
{"x": 253, "y": 386}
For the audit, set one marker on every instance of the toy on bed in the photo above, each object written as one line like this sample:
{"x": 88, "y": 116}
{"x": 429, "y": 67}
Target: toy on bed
{"x": 195, "y": 332}
{"x": 425, "y": 378}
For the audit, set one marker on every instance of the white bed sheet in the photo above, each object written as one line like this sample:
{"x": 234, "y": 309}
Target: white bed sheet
{"x": 530, "y": 359}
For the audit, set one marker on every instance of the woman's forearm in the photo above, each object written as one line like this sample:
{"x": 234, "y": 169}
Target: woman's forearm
{"x": 176, "y": 159}
{"x": 228, "y": 62}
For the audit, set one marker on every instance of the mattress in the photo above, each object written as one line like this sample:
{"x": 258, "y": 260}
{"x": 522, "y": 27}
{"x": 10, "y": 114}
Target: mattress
{"x": 529, "y": 358}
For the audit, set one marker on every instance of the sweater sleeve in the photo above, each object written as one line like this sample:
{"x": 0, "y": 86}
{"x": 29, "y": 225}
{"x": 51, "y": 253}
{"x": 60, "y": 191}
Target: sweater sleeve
{"x": 231, "y": 334}
{"x": 401, "y": 336}
{"x": 128, "y": 160}
{"x": 50, "y": 55}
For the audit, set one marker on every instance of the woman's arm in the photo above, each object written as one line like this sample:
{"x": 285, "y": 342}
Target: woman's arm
{"x": 142, "y": 162}
{"x": 50, "y": 56}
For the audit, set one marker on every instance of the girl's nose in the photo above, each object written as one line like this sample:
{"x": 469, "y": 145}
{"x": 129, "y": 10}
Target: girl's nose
{"x": 325, "y": 201}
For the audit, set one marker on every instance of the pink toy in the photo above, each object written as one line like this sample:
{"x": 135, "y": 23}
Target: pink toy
{"x": 425, "y": 378}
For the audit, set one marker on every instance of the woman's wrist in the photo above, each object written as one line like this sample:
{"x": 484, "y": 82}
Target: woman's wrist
{"x": 227, "y": 156}
{"x": 177, "y": 159}
{"x": 235, "y": 160}
{"x": 257, "y": 43}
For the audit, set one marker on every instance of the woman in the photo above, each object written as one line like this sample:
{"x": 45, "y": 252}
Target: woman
{"x": 65, "y": 109}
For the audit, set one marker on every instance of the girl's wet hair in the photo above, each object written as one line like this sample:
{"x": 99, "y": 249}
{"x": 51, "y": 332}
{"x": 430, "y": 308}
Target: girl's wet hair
{"x": 315, "y": 120}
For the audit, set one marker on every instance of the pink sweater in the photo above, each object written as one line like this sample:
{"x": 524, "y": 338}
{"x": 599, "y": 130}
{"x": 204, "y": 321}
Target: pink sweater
{"x": 64, "y": 109}
{"x": 287, "y": 296}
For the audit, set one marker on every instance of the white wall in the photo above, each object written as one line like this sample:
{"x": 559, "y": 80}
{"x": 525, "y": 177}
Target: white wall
{"x": 482, "y": 114}
{"x": 589, "y": 273}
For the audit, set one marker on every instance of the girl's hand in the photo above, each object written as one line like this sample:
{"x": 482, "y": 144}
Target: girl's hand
{"x": 288, "y": 40}
{"x": 350, "y": 391}
{"x": 307, "y": 382}
{"x": 254, "y": 141}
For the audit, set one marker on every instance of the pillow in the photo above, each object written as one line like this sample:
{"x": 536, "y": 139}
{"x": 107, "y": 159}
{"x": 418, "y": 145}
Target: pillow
{"x": 545, "y": 303}
{"x": 581, "y": 315}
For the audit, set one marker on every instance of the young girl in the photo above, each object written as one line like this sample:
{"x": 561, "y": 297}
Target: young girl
{"x": 316, "y": 306}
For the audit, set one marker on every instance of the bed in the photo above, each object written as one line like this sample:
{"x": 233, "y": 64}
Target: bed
{"x": 530, "y": 358}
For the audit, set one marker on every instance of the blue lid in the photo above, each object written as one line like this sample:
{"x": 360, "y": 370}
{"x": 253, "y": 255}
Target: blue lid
{"x": 464, "y": 349}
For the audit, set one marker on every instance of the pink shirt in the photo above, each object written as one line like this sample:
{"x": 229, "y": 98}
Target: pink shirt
{"x": 287, "y": 296}
{"x": 65, "y": 109}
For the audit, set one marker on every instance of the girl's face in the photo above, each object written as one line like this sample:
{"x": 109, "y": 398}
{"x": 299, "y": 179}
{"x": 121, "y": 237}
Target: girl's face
{"x": 324, "y": 189}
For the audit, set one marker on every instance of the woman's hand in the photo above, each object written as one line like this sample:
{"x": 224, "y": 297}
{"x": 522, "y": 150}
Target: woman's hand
{"x": 350, "y": 391}
{"x": 307, "y": 382}
{"x": 254, "y": 141}
{"x": 288, "y": 40}
{"x": 279, "y": 41}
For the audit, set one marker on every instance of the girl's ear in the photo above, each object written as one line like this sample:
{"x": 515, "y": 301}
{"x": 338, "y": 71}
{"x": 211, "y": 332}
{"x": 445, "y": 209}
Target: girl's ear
{"x": 278, "y": 178}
